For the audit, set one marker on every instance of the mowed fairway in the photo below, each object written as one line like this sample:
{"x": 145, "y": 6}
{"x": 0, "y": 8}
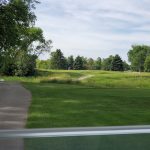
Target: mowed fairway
{"x": 64, "y": 105}
{"x": 87, "y": 98}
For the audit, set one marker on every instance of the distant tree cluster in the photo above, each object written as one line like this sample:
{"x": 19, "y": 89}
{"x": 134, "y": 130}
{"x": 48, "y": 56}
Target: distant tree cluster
{"x": 59, "y": 61}
{"x": 115, "y": 63}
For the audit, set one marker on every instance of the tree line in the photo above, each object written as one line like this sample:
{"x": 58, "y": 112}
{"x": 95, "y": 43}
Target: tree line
{"x": 138, "y": 57}
{"x": 59, "y": 61}
{"x": 21, "y": 42}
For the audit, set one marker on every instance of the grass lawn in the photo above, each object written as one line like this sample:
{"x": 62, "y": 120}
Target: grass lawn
{"x": 102, "y": 79}
{"x": 66, "y": 105}
{"x": 112, "y": 142}
{"x": 63, "y": 105}
{"x": 60, "y": 99}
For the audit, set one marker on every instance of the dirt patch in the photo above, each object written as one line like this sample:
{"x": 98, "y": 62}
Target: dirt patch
{"x": 85, "y": 77}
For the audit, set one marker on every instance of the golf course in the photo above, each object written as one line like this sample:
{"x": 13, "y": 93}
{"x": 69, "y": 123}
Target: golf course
{"x": 74, "y": 75}
{"x": 87, "y": 98}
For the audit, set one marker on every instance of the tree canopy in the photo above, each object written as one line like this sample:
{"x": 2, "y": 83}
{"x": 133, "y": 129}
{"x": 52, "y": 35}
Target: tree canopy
{"x": 58, "y": 60}
{"x": 20, "y": 41}
{"x": 16, "y": 16}
{"x": 137, "y": 56}
{"x": 78, "y": 63}
{"x": 117, "y": 63}
{"x": 107, "y": 63}
{"x": 70, "y": 62}
{"x": 147, "y": 64}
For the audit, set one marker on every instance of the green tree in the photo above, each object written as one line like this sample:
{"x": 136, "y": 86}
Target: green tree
{"x": 19, "y": 39}
{"x": 78, "y": 64}
{"x": 26, "y": 49}
{"x": 85, "y": 63}
{"x": 58, "y": 61}
{"x": 43, "y": 64}
{"x": 137, "y": 56}
{"x": 147, "y": 64}
{"x": 25, "y": 65}
{"x": 34, "y": 42}
{"x": 126, "y": 66}
{"x": 107, "y": 63}
{"x": 90, "y": 64}
{"x": 117, "y": 64}
{"x": 98, "y": 64}
{"x": 16, "y": 16}
{"x": 70, "y": 62}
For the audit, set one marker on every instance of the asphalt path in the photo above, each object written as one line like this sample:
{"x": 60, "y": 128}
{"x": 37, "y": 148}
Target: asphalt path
{"x": 14, "y": 104}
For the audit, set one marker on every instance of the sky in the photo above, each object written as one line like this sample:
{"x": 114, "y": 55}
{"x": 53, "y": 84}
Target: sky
{"x": 94, "y": 28}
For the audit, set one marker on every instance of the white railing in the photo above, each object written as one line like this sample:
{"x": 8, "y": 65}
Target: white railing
{"x": 68, "y": 132}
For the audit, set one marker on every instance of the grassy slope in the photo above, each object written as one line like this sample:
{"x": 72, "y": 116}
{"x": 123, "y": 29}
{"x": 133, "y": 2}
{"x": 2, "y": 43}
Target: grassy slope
{"x": 119, "y": 79}
{"x": 60, "y": 105}
{"x": 103, "y": 79}
{"x": 108, "y": 98}
{"x": 63, "y": 105}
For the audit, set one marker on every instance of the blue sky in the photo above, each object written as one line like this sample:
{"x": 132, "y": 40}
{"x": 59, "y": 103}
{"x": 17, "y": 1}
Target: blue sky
{"x": 94, "y": 28}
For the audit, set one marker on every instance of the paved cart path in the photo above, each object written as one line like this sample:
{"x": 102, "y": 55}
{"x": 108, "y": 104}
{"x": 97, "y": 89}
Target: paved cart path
{"x": 14, "y": 104}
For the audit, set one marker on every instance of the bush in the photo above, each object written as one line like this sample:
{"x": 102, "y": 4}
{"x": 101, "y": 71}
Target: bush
{"x": 22, "y": 65}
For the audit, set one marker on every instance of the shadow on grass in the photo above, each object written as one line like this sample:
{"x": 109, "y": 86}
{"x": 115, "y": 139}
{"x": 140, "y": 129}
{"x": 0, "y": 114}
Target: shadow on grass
{"x": 64, "y": 105}
{"x": 111, "y": 142}
{"x": 71, "y": 73}
{"x": 68, "y": 105}
{"x": 44, "y": 73}
{"x": 61, "y": 81}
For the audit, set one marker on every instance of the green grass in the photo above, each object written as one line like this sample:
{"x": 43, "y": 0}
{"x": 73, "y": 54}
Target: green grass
{"x": 117, "y": 142}
{"x": 48, "y": 76}
{"x": 60, "y": 99}
{"x": 102, "y": 79}
{"x": 119, "y": 80}
{"x": 63, "y": 105}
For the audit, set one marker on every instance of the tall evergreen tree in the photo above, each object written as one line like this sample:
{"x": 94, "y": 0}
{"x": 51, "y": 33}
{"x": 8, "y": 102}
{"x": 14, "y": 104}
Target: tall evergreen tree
{"x": 98, "y": 64}
{"x": 117, "y": 63}
{"x": 107, "y": 63}
{"x": 78, "y": 64}
{"x": 70, "y": 62}
{"x": 58, "y": 61}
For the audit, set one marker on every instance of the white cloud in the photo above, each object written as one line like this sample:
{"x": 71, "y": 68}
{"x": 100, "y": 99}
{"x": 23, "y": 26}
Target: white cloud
{"x": 95, "y": 27}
